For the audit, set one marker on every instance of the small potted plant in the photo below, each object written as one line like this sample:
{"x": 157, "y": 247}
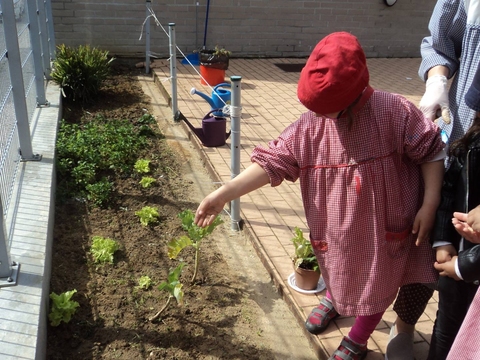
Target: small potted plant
{"x": 217, "y": 58}
{"x": 307, "y": 272}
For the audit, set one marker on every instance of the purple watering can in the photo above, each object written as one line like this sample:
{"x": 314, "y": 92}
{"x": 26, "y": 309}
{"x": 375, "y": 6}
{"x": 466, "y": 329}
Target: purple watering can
{"x": 213, "y": 131}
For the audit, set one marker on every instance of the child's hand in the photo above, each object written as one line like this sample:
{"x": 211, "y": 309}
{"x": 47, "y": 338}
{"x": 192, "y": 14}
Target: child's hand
{"x": 208, "y": 210}
{"x": 447, "y": 268}
{"x": 468, "y": 225}
{"x": 423, "y": 223}
{"x": 445, "y": 253}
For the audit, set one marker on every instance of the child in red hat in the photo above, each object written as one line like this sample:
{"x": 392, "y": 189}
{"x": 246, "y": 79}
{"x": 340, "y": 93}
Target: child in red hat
{"x": 370, "y": 167}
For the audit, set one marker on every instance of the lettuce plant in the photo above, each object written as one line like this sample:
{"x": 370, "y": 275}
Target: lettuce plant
{"x": 103, "y": 249}
{"x": 62, "y": 307}
{"x": 147, "y": 181}
{"x": 142, "y": 166}
{"x": 144, "y": 282}
{"x": 148, "y": 215}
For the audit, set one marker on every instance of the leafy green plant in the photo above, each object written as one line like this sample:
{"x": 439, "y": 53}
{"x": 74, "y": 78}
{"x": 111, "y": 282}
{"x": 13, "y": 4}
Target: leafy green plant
{"x": 304, "y": 255}
{"x": 194, "y": 238}
{"x": 62, "y": 307}
{"x": 147, "y": 181}
{"x": 142, "y": 166}
{"x": 103, "y": 249}
{"x": 221, "y": 51}
{"x": 174, "y": 288}
{"x": 147, "y": 119}
{"x": 144, "y": 282}
{"x": 99, "y": 193}
{"x": 93, "y": 152}
{"x": 80, "y": 71}
{"x": 148, "y": 215}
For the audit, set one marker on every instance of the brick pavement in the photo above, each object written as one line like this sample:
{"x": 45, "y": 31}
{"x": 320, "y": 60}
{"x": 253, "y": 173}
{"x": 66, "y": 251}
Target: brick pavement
{"x": 269, "y": 104}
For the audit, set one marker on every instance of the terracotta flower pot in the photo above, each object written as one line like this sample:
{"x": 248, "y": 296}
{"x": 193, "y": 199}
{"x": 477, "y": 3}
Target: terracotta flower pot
{"x": 306, "y": 279}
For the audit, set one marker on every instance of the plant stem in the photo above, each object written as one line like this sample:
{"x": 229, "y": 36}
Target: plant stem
{"x": 195, "y": 271}
{"x": 162, "y": 309}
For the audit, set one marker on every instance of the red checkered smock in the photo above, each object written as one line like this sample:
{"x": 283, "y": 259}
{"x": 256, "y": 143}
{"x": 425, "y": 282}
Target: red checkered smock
{"x": 361, "y": 189}
{"x": 467, "y": 342}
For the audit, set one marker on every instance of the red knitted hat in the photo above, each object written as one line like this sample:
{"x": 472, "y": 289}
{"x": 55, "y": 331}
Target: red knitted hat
{"x": 335, "y": 75}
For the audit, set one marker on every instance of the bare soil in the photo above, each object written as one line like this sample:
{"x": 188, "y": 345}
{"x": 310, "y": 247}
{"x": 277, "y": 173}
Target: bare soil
{"x": 232, "y": 311}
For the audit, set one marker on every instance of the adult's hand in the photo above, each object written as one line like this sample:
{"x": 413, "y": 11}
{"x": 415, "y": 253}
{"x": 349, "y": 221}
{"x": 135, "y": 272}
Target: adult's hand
{"x": 468, "y": 225}
{"x": 435, "y": 98}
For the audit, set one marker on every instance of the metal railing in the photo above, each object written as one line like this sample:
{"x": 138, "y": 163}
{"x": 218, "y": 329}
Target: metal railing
{"x": 27, "y": 47}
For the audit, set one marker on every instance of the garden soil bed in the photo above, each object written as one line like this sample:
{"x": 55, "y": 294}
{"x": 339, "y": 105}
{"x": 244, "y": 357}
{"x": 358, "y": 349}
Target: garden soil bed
{"x": 226, "y": 314}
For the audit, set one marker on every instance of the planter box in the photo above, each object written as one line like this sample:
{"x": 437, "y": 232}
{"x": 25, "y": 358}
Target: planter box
{"x": 208, "y": 59}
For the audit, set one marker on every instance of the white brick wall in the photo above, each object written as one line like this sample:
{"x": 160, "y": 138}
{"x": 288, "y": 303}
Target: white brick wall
{"x": 249, "y": 28}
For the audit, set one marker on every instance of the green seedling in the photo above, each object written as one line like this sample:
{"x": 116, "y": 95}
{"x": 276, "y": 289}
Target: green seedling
{"x": 194, "y": 238}
{"x": 304, "y": 256}
{"x": 62, "y": 307}
{"x": 144, "y": 282}
{"x": 148, "y": 215}
{"x": 142, "y": 166}
{"x": 103, "y": 249}
{"x": 147, "y": 181}
{"x": 174, "y": 288}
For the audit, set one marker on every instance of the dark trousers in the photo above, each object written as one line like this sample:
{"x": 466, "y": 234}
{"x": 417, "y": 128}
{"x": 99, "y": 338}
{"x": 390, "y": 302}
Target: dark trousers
{"x": 454, "y": 299}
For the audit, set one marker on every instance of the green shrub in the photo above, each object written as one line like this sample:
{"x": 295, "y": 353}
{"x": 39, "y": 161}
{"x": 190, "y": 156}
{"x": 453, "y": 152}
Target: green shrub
{"x": 80, "y": 71}
{"x": 89, "y": 154}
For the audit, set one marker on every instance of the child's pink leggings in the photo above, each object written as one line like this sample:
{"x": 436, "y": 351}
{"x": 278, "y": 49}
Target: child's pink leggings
{"x": 363, "y": 326}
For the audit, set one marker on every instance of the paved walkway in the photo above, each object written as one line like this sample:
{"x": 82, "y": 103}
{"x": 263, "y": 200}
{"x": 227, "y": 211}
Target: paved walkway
{"x": 268, "y": 97}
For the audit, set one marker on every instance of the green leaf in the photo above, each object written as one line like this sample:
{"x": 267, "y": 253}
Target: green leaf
{"x": 173, "y": 285}
{"x": 176, "y": 245}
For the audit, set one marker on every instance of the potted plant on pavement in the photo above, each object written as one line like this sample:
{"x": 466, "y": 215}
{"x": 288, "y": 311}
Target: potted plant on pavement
{"x": 217, "y": 58}
{"x": 213, "y": 64}
{"x": 307, "y": 271}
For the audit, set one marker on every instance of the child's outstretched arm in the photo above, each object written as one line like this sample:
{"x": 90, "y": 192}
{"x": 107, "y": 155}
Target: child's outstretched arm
{"x": 468, "y": 225}
{"x": 248, "y": 180}
{"x": 432, "y": 173}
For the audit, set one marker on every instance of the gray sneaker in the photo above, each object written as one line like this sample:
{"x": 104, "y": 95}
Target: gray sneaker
{"x": 400, "y": 346}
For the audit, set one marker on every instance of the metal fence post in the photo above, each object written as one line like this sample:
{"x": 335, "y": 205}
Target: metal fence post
{"x": 37, "y": 53}
{"x": 42, "y": 19}
{"x": 173, "y": 66}
{"x": 51, "y": 29}
{"x": 18, "y": 86}
{"x": 147, "y": 37}
{"x": 8, "y": 269}
{"x": 235, "y": 115}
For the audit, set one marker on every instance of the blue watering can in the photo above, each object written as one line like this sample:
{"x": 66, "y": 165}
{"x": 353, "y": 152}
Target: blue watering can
{"x": 219, "y": 97}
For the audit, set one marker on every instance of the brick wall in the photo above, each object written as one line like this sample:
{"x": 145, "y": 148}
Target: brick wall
{"x": 249, "y": 28}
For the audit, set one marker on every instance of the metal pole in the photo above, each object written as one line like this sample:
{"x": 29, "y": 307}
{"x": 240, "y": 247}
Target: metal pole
{"x": 173, "y": 67}
{"x": 18, "y": 86}
{"x": 42, "y": 19}
{"x": 235, "y": 115}
{"x": 7, "y": 272}
{"x": 147, "y": 38}
{"x": 37, "y": 54}
{"x": 51, "y": 29}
